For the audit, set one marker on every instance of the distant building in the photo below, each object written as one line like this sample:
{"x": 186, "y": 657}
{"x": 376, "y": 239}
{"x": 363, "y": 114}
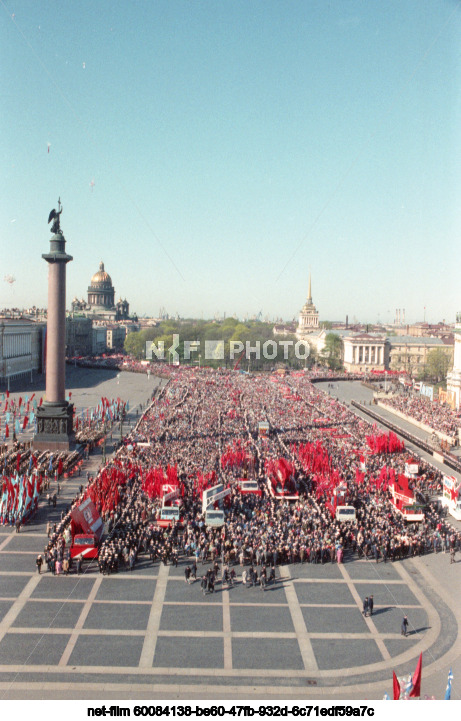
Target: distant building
{"x": 308, "y": 317}
{"x": 454, "y": 376}
{"x": 364, "y": 352}
{"x": 409, "y": 353}
{"x": 22, "y": 345}
{"x": 115, "y": 337}
{"x": 101, "y": 299}
{"x": 98, "y": 339}
{"x": 79, "y": 336}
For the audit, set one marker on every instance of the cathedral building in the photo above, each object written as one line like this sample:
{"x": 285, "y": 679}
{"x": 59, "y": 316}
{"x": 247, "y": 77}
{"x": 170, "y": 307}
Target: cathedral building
{"x": 101, "y": 299}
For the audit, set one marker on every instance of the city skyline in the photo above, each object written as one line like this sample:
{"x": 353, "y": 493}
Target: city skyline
{"x": 212, "y": 155}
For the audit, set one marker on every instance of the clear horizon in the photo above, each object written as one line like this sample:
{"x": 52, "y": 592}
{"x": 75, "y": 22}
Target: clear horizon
{"x": 212, "y": 155}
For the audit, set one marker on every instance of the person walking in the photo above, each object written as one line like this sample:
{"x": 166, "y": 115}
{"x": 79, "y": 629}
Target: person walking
{"x": 365, "y": 606}
{"x": 38, "y": 563}
{"x": 404, "y": 626}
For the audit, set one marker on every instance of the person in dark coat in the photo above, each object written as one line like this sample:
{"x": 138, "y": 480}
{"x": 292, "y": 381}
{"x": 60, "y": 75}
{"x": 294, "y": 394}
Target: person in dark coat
{"x": 365, "y": 606}
{"x": 404, "y": 627}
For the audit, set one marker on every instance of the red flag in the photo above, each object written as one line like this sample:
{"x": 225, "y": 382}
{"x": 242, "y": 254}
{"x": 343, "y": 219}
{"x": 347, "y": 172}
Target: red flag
{"x": 395, "y": 686}
{"x": 7, "y": 431}
{"x": 25, "y": 422}
{"x": 416, "y": 690}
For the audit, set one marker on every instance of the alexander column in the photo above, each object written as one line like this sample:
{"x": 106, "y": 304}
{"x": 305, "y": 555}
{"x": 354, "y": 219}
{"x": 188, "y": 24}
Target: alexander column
{"x": 54, "y": 416}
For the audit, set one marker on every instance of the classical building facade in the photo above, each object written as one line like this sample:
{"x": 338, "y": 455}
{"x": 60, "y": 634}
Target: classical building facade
{"x": 409, "y": 353}
{"x": 21, "y": 345}
{"x": 365, "y": 352}
{"x": 308, "y": 317}
{"x": 454, "y": 377}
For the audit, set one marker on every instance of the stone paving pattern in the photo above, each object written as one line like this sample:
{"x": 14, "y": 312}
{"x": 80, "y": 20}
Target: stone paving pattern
{"x": 150, "y": 630}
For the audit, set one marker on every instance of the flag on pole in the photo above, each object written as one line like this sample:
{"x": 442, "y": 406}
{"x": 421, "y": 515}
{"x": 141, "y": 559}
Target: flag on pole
{"x": 448, "y": 689}
{"x": 395, "y": 686}
{"x": 416, "y": 690}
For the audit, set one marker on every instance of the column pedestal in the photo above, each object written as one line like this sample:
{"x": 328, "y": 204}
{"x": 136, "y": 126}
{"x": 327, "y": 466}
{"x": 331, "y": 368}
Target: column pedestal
{"x": 54, "y": 426}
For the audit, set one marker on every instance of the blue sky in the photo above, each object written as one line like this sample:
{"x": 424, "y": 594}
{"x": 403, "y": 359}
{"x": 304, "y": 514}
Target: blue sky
{"x": 234, "y": 147}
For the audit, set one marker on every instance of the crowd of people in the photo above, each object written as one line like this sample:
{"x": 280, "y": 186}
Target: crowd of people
{"x": 437, "y": 416}
{"x": 203, "y": 428}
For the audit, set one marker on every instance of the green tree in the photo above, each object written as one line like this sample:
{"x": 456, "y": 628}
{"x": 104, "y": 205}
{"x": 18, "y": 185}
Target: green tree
{"x": 437, "y": 365}
{"x": 332, "y": 353}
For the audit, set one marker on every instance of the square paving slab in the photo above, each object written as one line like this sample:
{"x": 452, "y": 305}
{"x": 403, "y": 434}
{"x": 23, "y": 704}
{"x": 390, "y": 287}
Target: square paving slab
{"x": 122, "y": 616}
{"x": 334, "y": 620}
{"x": 22, "y": 542}
{"x": 192, "y": 617}
{"x": 315, "y": 570}
{"x": 75, "y": 587}
{"x": 189, "y": 652}
{"x": 181, "y": 591}
{"x": 276, "y": 619}
{"x": 345, "y": 653}
{"x": 266, "y": 653}
{"x": 113, "y": 589}
{"x": 44, "y": 614}
{"x": 32, "y": 648}
{"x": 4, "y": 608}
{"x": 100, "y": 650}
{"x": 18, "y": 561}
{"x": 274, "y": 593}
{"x": 392, "y": 594}
{"x": 11, "y": 586}
{"x": 324, "y": 593}
{"x": 369, "y": 570}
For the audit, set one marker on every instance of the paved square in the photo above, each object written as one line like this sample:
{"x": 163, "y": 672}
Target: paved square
{"x": 392, "y": 594}
{"x": 181, "y": 652}
{"x": 324, "y": 593}
{"x": 4, "y": 608}
{"x": 339, "y": 620}
{"x": 180, "y": 591}
{"x": 23, "y": 542}
{"x": 124, "y": 617}
{"x": 19, "y": 561}
{"x": 99, "y": 650}
{"x": 265, "y": 653}
{"x": 389, "y": 620}
{"x": 275, "y": 619}
{"x": 189, "y": 617}
{"x": 315, "y": 570}
{"x": 274, "y": 593}
{"x": 113, "y": 589}
{"x": 32, "y": 648}
{"x": 43, "y": 614}
{"x": 75, "y": 587}
{"x": 345, "y": 653}
{"x": 369, "y": 570}
{"x": 11, "y": 586}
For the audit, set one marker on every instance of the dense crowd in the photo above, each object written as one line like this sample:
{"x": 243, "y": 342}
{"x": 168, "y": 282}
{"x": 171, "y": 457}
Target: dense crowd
{"x": 439, "y": 417}
{"x": 204, "y": 428}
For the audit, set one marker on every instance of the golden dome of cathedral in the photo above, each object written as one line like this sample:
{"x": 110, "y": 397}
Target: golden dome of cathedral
{"x": 101, "y": 277}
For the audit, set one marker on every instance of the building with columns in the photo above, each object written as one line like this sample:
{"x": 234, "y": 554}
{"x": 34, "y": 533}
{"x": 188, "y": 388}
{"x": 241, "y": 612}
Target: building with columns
{"x": 21, "y": 346}
{"x": 454, "y": 377}
{"x": 365, "y": 352}
{"x": 308, "y": 317}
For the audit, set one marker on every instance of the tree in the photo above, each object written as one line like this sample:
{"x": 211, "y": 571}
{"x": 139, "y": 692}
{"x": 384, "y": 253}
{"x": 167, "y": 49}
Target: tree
{"x": 437, "y": 364}
{"x": 332, "y": 351}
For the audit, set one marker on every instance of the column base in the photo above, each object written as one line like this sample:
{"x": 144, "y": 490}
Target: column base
{"x": 54, "y": 427}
